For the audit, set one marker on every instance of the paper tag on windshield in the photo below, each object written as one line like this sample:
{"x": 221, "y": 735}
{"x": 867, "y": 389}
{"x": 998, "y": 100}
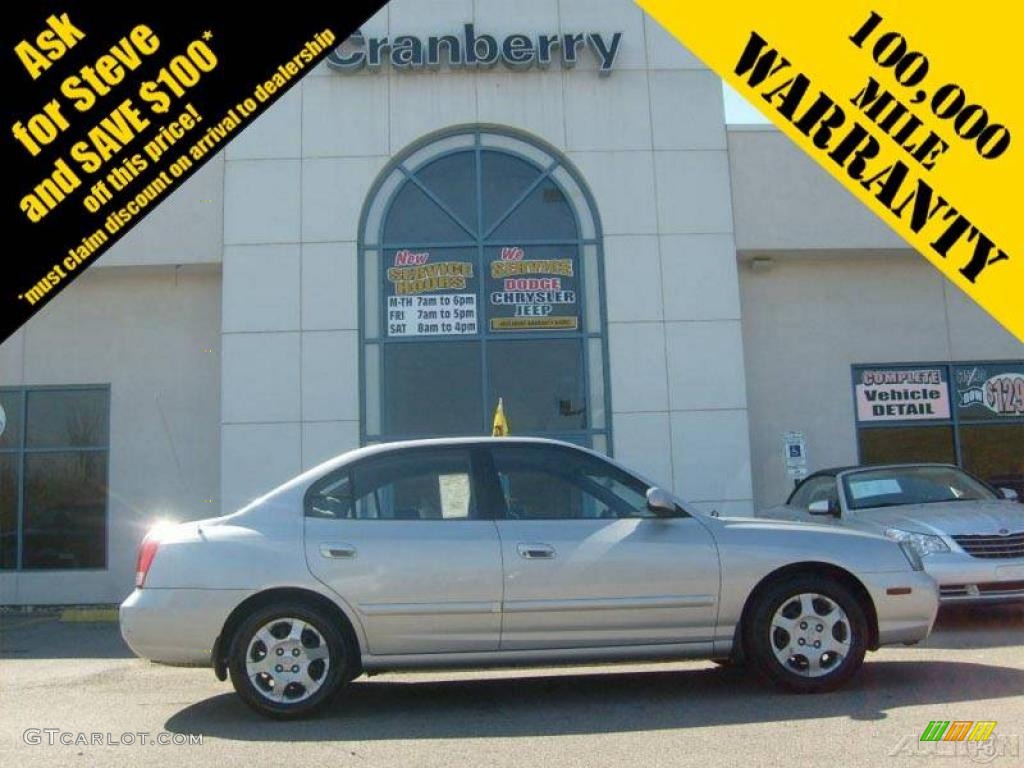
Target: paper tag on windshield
{"x": 861, "y": 489}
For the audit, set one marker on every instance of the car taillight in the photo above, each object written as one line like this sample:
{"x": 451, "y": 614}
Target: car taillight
{"x": 147, "y": 551}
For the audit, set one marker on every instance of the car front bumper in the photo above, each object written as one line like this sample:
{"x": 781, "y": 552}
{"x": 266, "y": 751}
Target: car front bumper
{"x": 906, "y": 603}
{"x": 176, "y": 626}
{"x": 966, "y": 579}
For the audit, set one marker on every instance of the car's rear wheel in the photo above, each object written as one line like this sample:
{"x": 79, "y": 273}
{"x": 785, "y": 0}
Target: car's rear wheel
{"x": 806, "y": 633}
{"x": 287, "y": 661}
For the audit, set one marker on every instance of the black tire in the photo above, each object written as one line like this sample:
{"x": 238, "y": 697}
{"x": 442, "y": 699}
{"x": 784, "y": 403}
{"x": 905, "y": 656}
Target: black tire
{"x": 333, "y": 674}
{"x": 759, "y": 639}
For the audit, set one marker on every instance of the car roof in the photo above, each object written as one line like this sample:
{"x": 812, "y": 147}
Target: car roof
{"x": 450, "y": 441}
{"x": 398, "y": 445}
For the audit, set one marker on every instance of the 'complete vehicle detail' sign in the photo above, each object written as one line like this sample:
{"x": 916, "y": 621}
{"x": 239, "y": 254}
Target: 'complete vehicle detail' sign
{"x": 902, "y": 394}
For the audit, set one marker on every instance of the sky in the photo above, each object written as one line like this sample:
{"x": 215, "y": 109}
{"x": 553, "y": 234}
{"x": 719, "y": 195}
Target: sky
{"x": 737, "y": 110}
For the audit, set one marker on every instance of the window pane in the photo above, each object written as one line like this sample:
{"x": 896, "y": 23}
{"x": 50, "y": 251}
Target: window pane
{"x": 371, "y": 235}
{"x": 593, "y": 289}
{"x": 371, "y": 294}
{"x": 433, "y": 388}
{"x": 10, "y": 420}
{"x": 540, "y": 382}
{"x": 989, "y": 392}
{"x": 331, "y": 497}
{"x": 579, "y": 201}
{"x": 544, "y": 215}
{"x": 532, "y": 289}
{"x": 415, "y": 218}
{"x": 505, "y": 179}
{"x": 8, "y": 510}
{"x": 595, "y": 361}
{"x": 431, "y": 292}
{"x": 420, "y": 485}
{"x": 453, "y": 180}
{"x": 68, "y": 418}
{"x": 543, "y": 484}
{"x": 426, "y": 153}
{"x": 995, "y": 454}
{"x": 372, "y": 389}
{"x": 65, "y": 510}
{"x": 895, "y": 445}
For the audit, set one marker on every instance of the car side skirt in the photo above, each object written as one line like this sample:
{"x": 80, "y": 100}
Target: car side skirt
{"x": 543, "y": 657}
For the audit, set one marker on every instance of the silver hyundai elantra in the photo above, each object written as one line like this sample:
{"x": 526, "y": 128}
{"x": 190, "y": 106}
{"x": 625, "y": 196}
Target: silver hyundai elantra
{"x": 480, "y": 552}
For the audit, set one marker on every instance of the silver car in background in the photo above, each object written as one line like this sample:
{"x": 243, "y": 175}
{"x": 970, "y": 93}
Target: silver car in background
{"x": 969, "y": 536}
{"x": 482, "y": 552}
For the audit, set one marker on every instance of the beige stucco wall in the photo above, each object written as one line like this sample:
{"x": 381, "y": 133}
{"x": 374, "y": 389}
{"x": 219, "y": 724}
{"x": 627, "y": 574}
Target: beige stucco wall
{"x": 153, "y": 335}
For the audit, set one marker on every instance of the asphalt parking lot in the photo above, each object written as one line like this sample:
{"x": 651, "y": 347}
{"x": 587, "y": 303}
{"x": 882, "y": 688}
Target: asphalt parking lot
{"x": 81, "y": 679}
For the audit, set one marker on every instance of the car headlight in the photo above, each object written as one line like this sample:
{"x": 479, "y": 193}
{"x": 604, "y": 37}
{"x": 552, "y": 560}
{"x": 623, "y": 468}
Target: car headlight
{"x": 922, "y": 544}
{"x": 916, "y": 563}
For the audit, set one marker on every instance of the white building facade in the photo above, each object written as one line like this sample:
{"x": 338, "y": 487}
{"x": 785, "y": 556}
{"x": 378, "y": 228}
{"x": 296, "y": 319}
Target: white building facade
{"x": 561, "y": 219}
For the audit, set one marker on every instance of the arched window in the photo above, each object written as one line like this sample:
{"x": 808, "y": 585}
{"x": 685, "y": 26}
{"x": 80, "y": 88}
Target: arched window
{"x": 481, "y": 277}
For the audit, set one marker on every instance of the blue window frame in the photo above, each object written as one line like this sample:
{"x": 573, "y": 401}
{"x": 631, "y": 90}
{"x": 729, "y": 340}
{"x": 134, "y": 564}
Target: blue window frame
{"x": 481, "y": 276}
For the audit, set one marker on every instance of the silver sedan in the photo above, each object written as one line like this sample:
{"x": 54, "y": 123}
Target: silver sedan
{"x": 507, "y": 552}
{"x": 969, "y": 536}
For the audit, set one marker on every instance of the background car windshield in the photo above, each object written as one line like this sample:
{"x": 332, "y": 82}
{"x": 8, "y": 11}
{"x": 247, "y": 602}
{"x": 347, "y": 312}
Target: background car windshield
{"x": 911, "y": 485}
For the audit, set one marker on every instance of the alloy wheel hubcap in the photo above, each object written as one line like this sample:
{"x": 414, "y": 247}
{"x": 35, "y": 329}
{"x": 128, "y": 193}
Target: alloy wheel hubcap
{"x": 810, "y": 634}
{"x": 287, "y": 660}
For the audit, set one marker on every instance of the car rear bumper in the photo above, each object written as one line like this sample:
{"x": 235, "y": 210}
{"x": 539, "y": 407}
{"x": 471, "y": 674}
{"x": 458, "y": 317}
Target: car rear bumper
{"x": 906, "y": 603}
{"x": 176, "y": 626}
{"x": 966, "y": 579}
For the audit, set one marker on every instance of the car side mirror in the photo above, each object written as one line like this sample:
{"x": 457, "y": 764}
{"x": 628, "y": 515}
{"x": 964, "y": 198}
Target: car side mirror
{"x": 660, "y": 502}
{"x": 822, "y": 507}
{"x": 1009, "y": 494}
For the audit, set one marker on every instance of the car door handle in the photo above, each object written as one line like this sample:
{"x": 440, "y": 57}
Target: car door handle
{"x": 535, "y": 551}
{"x": 338, "y": 551}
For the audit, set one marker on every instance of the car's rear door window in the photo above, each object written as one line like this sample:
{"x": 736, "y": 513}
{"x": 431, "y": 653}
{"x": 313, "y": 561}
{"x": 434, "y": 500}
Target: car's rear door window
{"x": 422, "y": 484}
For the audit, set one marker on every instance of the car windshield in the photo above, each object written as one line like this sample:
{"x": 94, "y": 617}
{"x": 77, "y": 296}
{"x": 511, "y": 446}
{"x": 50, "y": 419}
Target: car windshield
{"x": 894, "y": 486}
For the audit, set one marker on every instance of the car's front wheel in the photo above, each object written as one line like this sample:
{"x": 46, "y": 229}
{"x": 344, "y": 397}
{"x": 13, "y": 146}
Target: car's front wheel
{"x": 287, "y": 661}
{"x": 806, "y": 633}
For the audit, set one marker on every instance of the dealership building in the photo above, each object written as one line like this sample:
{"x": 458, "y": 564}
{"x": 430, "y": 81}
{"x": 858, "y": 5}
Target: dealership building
{"x": 539, "y": 202}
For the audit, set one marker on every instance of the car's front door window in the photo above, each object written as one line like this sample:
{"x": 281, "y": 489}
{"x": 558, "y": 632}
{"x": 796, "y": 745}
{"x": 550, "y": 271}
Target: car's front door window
{"x": 543, "y": 484}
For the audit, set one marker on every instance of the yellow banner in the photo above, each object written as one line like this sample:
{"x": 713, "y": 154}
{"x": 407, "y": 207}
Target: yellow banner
{"x": 915, "y": 107}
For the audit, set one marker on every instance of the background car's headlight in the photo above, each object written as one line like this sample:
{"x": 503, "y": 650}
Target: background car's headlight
{"x": 911, "y": 554}
{"x": 923, "y": 544}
